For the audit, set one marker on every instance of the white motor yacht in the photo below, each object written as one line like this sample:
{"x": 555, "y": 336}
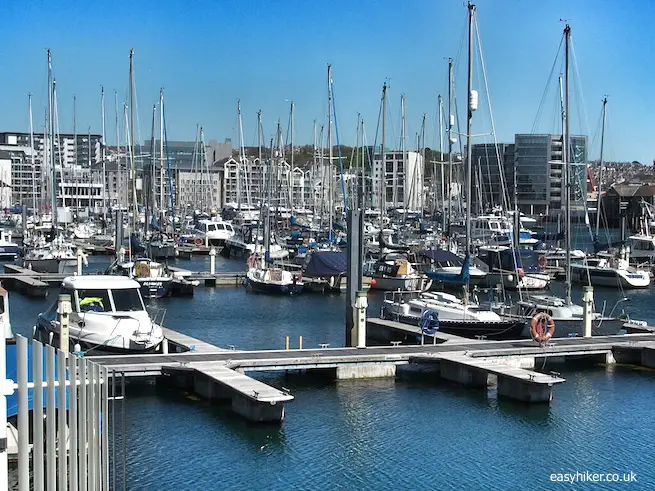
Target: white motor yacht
{"x": 108, "y": 315}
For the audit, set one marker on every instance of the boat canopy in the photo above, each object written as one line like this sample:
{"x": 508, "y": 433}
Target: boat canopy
{"x": 442, "y": 256}
{"x": 510, "y": 259}
{"x": 325, "y": 263}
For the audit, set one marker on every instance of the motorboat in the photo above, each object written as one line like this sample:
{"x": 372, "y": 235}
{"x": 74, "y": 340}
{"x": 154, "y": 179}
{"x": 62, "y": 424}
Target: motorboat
{"x": 154, "y": 278}
{"x": 108, "y": 315}
{"x": 57, "y": 256}
{"x": 394, "y": 271}
{"x": 450, "y": 314}
{"x": 8, "y": 249}
{"x": 214, "y": 233}
{"x": 610, "y": 272}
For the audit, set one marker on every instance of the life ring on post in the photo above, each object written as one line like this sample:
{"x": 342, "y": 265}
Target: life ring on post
{"x": 542, "y": 327}
{"x": 542, "y": 262}
{"x": 197, "y": 241}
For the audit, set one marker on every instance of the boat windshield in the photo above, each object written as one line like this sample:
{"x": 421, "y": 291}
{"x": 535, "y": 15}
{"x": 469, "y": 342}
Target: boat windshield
{"x": 93, "y": 301}
{"x": 127, "y": 300}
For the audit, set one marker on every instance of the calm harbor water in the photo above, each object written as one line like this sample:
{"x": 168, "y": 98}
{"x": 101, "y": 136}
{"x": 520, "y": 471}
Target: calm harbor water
{"x": 412, "y": 433}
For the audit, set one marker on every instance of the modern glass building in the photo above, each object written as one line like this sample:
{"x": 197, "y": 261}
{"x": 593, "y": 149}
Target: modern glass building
{"x": 540, "y": 173}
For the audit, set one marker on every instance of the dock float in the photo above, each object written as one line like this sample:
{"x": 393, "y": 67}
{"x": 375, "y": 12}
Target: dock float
{"x": 209, "y": 279}
{"x": 250, "y": 398}
{"x": 513, "y": 382}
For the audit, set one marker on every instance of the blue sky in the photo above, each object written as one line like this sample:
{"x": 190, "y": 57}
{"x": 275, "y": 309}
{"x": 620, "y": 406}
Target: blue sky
{"x": 208, "y": 54}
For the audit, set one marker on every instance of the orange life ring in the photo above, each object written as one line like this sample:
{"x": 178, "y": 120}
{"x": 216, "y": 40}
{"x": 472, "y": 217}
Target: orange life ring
{"x": 198, "y": 241}
{"x": 542, "y": 262}
{"x": 542, "y": 327}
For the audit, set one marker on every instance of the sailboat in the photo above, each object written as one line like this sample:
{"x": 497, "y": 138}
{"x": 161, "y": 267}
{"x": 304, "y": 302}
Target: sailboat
{"x": 568, "y": 317}
{"x": 602, "y": 271}
{"x": 464, "y": 317}
{"x": 261, "y": 276}
{"x": 51, "y": 252}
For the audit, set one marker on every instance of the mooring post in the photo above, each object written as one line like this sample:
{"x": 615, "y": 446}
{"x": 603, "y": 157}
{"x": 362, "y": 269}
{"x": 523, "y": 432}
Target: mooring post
{"x": 588, "y": 301}
{"x": 354, "y": 259}
{"x": 299, "y": 342}
{"x": 164, "y": 346}
{"x": 361, "y": 302}
{"x": 80, "y": 258}
{"x": 286, "y": 343}
{"x": 64, "y": 309}
{"x": 212, "y": 261}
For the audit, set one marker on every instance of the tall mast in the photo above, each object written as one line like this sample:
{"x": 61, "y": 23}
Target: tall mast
{"x": 133, "y": 170}
{"x": 472, "y": 106}
{"x": 53, "y": 182}
{"x": 291, "y": 180}
{"x": 382, "y": 178}
{"x": 150, "y": 201}
{"x": 451, "y": 123}
{"x": 314, "y": 166}
{"x": 243, "y": 161}
{"x": 102, "y": 155}
{"x": 77, "y": 193}
{"x": 162, "y": 204}
{"x": 434, "y": 171}
{"x": 567, "y": 170}
{"x": 362, "y": 170}
{"x": 600, "y": 171}
{"x": 89, "y": 157}
{"x": 34, "y": 211}
{"x": 403, "y": 148}
{"x": 259, "y": 151}
{"x": 417, "y": 169}
{"x": 240, "y": 162}
{"x": 329, "y": 139}
{"x": 118, "y": 153}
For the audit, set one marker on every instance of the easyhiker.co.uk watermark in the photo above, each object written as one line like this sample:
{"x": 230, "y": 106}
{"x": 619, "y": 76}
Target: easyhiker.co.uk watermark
{"x": 587, "y": 476}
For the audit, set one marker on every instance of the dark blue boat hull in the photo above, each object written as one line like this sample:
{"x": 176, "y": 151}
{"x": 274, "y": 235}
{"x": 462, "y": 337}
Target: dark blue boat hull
{"x": 155, "y": 288}
{"x": 273, "y": 289}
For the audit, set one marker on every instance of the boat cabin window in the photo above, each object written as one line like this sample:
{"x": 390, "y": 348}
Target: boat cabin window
{"x": 127, "y": 300}
{"x": 211, "y": 227}
{"x": 220, "y": 226}
{"x": 93, "y": 301}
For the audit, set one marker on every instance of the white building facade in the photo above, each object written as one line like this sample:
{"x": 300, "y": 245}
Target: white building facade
{"x": 403, "y": 180}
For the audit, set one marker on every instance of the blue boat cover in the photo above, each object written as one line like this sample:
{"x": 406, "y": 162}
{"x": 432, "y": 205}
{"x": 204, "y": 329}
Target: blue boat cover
{"x": 510, "y": 259}
{"x": 460, "y": 278}
{"x": 12, "y": 374}
{"x": 439, "y": 256}
{"x": 326, "y": 263}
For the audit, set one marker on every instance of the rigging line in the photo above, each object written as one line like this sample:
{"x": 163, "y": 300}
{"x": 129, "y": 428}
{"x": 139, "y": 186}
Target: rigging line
{"x": 503, "y": 184}
{"x": 545, "y": 93}
{"x": 579, "y": 89}
{"x": 336, "y": 133}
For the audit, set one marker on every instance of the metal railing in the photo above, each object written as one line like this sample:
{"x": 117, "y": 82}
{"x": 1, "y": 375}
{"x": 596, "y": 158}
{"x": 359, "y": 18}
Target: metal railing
{"x": 70, "y": 416}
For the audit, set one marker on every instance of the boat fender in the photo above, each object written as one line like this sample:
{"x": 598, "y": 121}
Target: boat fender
{"x": 332, "y": 281}
{"x": 542, "y": 327}
{"x": 542, "y": 262}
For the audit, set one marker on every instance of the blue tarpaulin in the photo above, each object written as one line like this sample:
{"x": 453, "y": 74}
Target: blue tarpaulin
{"x": 326, "y": 263}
